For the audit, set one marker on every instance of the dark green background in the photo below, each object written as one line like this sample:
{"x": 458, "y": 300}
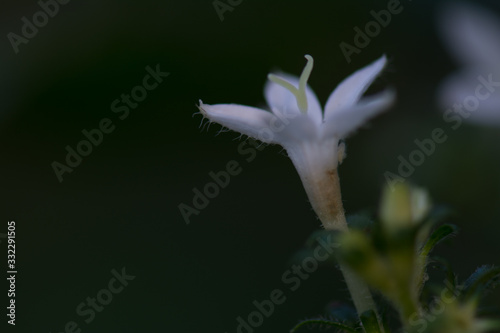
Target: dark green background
{"x": 119, "y": 208}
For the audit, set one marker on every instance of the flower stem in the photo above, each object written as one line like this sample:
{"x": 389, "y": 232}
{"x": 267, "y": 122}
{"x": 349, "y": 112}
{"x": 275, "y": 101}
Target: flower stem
{"x": 359, "y": 291}
{"x": 326, "y": 199}
{"x": 408, "y": 307}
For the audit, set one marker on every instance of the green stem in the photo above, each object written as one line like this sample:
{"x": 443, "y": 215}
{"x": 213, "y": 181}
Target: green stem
{"x": 408, "y": 308}
{"x": 361, "y": 295}
{"x": 333, "y": 218}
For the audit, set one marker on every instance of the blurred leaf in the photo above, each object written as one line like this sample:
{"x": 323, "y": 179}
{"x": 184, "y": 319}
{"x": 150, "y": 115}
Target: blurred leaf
{"x": 444, "y": 265}
{"x": 370, "y": 322}
{"x": 361, "y": 221}
{"x": 484, "y": 279}
{"x": 432, "y": 291}
{"x": 441, "y": 233}
{"x": 323, "y": 322}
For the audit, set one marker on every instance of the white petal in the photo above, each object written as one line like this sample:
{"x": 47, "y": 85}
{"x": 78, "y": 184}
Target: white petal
{"x": 344, "y": 121}
{"x": 313, "y": 159}
{"x": 349, "y": 91}
{"x": 279, "y": 98}
{"x": 472, "y": 33}
{"x": 462, "y": 87}
{"x": 247, "y": 120}
{"x": 301, "y": 128}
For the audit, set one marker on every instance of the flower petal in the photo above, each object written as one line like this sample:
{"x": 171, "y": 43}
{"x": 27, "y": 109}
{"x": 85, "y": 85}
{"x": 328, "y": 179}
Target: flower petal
{"x": 279, "y": 98}
{"x": 313, "y": 160}
{"x": 247, "y": 120}
{"x": 464, "y": 86}
{"x": 297, "y": 130}
{"x": 471, "y": 33}
{"x": 344, "y": 121}
{"x": 349, "y": 91}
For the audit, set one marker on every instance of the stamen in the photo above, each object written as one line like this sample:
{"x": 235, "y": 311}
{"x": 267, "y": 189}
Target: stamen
{"x": 300, "y": 93}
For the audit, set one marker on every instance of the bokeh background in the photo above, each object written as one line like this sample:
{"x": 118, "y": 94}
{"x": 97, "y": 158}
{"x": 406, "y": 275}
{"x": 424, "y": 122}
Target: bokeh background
{"x": 119, "y": 207}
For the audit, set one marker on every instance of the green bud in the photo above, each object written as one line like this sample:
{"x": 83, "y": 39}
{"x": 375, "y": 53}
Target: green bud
{"x": 403, "y": 206}
{"x": 357, "y": 251}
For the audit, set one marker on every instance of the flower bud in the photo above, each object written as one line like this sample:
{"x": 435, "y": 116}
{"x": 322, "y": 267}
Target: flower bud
{"x": 403, "y": 206}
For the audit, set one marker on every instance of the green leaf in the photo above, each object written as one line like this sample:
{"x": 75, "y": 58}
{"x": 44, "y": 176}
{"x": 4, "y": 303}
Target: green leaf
{"x": 370, "y": 322}
{"x": 443, "y": 232}
{"x": 357, "y": 251}
{"x": 484, "y": 279}
{"x": 445, "y": 266}
{"x": 323, "y": 322}
{"x": 432, "y": 290}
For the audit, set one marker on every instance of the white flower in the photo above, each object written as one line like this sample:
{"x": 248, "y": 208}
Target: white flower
{"x": 297, "y": 122}
{"x": 472, "y": 35}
